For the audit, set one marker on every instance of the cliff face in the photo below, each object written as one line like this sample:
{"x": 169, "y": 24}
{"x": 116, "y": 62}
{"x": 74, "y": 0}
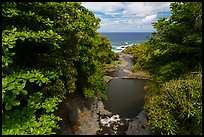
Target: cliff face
{"x": 80, "y": 116}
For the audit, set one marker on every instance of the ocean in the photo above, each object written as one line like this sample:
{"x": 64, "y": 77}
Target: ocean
{"x": 120, "y": 40}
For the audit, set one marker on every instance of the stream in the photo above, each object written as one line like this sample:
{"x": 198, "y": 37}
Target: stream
{"x": 125, "y": 96}
{"x": 121, "y": 114}
{"x": 125, "y": 100}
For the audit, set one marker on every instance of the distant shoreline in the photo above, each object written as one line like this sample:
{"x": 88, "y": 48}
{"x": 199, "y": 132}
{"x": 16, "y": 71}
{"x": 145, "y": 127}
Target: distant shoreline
{"x": 120, "y": 40}
{"x": 126, "y": 32}
{"x": 123, "y": 47}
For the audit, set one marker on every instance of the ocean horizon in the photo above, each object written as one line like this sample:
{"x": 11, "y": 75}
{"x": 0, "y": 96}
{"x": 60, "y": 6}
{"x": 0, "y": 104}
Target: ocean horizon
{"x": 120, "y": 40}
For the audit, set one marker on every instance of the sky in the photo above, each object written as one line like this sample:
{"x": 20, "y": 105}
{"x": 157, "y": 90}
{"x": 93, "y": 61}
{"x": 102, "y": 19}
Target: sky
{"x": 128, "y": 16}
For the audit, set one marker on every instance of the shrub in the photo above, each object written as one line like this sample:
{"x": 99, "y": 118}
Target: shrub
{"x": 177, "y": 108}
{"x": 49, "y": 50}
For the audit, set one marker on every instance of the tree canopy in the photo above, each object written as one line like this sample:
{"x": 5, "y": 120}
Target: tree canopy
{"x": 173, "y": 55}
{"x": 179, "y": 37}
{"x": 49, "y": 50}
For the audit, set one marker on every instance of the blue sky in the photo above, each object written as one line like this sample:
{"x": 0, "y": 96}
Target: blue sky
{"x": 128, "y": 16}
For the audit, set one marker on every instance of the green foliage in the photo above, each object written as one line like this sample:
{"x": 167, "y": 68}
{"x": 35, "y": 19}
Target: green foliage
{"x": 179, "y": 37}
{"x": 173, "y": 103}
{"x": 139, "y": 53}
{"x": 22, "y": 103}
{"x": 28, "y": 124}
{"x": 177, "y": 43}
{"x": 137, "y": 50}
{"x": 14, "y": 86}
{"x": 177, "y": 108}
{"x": 171, "y": 70}
{"x": 49, "y": 50}
{"x": 176, "y": 47}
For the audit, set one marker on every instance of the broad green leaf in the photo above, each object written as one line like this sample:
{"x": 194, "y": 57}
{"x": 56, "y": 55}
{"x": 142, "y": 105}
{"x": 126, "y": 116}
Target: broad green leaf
{"x": 16, "y": 103}
{"x": 8, "y": 106}
{"x": 32, "y": 79}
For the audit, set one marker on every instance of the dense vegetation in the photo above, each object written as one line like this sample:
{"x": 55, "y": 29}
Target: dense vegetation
{"x": 173, "y": 55}
{"x": 49, "y": 50}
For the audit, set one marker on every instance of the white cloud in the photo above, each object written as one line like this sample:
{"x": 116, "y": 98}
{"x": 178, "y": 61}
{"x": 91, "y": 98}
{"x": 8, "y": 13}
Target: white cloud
{"x": 119, "y": 27}
{"x": 128, "y": 8}
{"x": 105, "y": 7}
{"x": 142, "y": 9}
{"x": 148, "y": 18}
{"x": 129, "y": 21}
{"x": 127, "y": 16}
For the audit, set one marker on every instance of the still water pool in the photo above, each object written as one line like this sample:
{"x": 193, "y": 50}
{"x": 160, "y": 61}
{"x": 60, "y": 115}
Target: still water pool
{"x": 125, "y": 97}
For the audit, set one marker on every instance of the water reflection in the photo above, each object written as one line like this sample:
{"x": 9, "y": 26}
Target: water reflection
{"x": 118, "y": 73}
{"x": 125, "y": 97}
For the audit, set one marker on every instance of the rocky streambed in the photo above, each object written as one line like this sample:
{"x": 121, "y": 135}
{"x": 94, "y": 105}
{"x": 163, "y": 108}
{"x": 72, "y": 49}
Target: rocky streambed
{"x": 91, "y": 117}
{"x": 129, "y": 86}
